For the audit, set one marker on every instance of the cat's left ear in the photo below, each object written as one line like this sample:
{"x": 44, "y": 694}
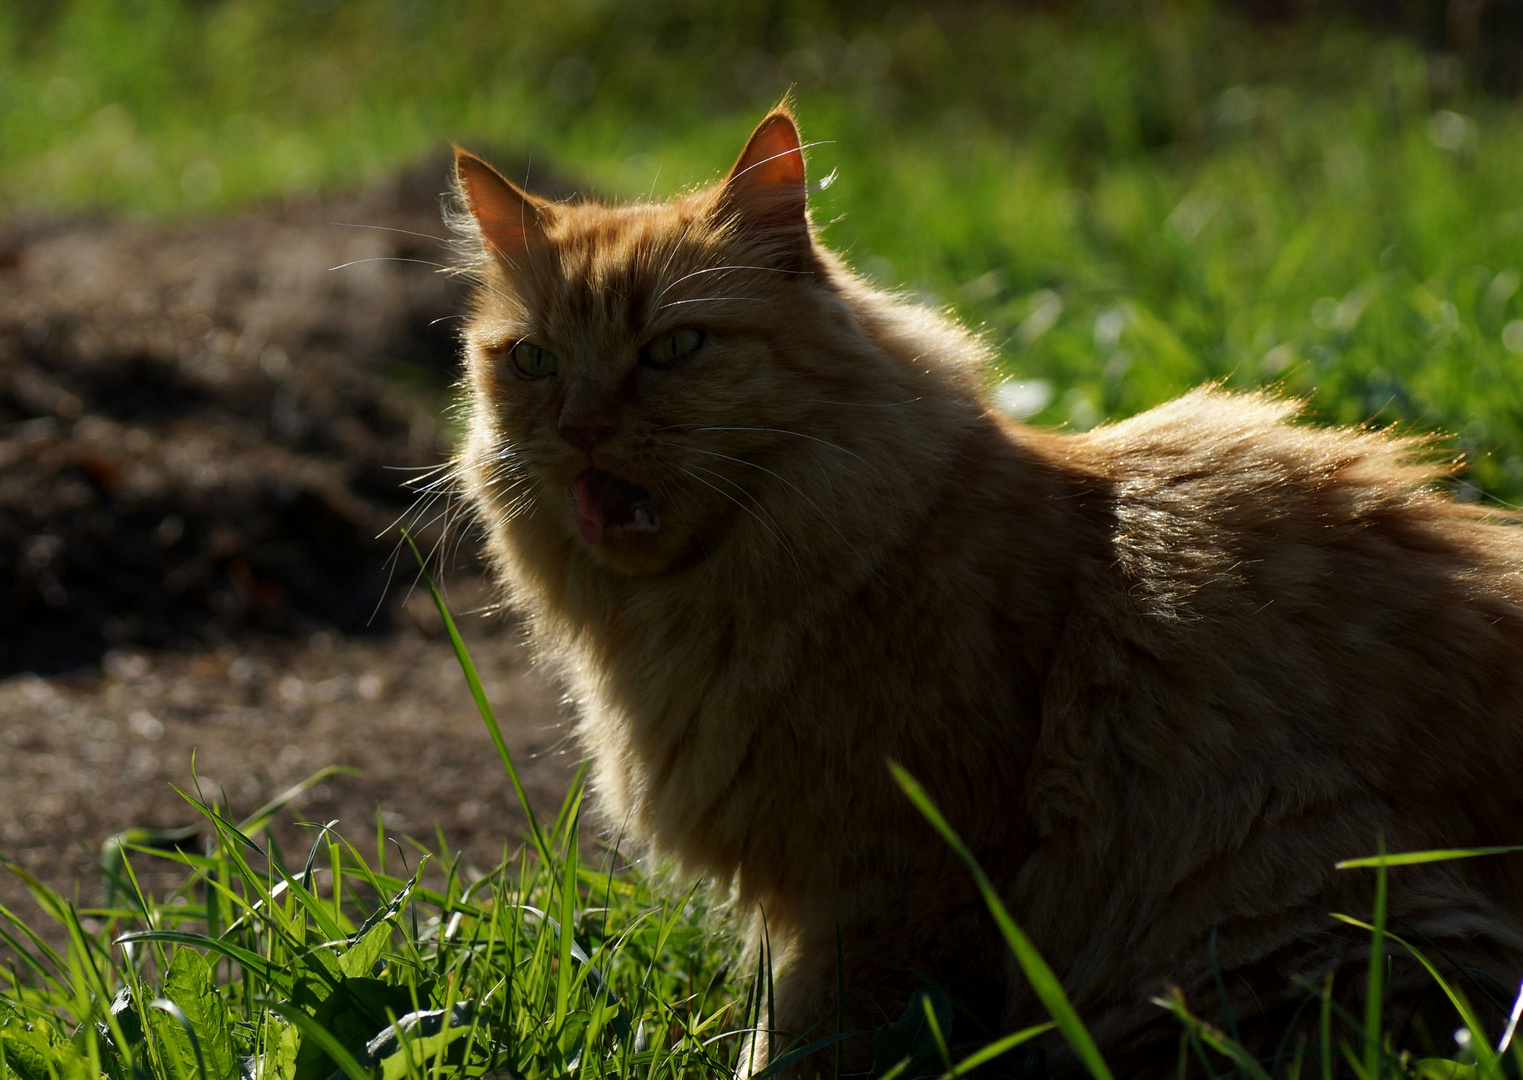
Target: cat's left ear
{"x": 766, "y": 188}
{"x": 507, "y": 215}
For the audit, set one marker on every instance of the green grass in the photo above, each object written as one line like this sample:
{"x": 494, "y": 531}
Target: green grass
{"x": 297, "y": 967}
{"x": 544, "y": 966}
{"x": 337, "y": 964}
{"x": 1129, "y": 203}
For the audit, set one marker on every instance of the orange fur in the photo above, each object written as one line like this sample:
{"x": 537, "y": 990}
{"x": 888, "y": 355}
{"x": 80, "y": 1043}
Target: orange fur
{"x": 1160, "y": 675}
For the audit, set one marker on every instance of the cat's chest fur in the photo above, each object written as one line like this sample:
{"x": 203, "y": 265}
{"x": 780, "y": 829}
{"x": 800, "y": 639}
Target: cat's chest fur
{"x": 741, "y": 716}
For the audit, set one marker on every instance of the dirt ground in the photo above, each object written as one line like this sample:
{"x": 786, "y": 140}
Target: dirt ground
{"x": 206, "y": 434}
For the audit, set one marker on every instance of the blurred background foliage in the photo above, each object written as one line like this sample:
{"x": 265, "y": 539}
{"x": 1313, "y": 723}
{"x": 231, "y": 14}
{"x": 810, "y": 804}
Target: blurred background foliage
{"x": 1130, "y": 198}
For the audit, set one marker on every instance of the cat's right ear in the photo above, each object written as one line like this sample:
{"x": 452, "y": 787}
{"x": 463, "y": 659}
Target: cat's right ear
{"x": 507, "y": 216}
{"x": 765, "y": 191}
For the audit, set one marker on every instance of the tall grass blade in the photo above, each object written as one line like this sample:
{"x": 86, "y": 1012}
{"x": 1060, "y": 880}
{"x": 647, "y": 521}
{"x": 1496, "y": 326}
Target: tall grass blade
{"x": 261, "y": 817}
{"x": 934, "y": 1026}
{"x": 567, "y": 929}
{"x": 1375, "y": 994}
{"x": 1038, "y": 973}
{"x": 178, "y": 1014}
{"x": 800, "y": 1053}
{"x": 1327, "y": 1028}
{"x": 478, "y": 693}
{"x": 1486, "y": 1057}
{"x": 997, "y": 1048}
{"x": 250, "y": 960}
{"x": 1219, "y": 1041}
{"x": 1221, "y": 987}
{"x": 1413, "y": 858}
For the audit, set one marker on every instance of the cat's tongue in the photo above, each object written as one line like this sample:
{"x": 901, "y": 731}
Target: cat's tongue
{"x": 602, "y": 502}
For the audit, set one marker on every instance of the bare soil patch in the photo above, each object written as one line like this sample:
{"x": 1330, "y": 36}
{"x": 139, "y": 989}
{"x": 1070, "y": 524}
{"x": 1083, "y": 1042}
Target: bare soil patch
{"x": 205, "y": 438}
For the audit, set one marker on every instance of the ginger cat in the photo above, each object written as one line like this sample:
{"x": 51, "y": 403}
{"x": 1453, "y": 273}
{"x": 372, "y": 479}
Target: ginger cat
{"x": 1160, "y": 676}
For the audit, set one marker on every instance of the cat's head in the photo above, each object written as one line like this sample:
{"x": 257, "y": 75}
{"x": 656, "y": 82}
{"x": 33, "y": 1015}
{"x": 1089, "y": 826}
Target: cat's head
{"x": 637, "y": 373}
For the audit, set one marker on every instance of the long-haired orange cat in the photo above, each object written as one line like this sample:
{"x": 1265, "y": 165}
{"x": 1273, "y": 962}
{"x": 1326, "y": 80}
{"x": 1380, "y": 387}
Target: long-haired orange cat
{"x": 1160, "y": 676}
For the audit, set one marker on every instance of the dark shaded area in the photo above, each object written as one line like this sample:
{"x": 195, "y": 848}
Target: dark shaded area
{"x": 210, "y": 429}
{"x": 1484, "y": 37}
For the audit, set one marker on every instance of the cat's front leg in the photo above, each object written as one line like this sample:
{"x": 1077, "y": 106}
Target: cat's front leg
{"x": 880, "y": 964}
{"x": 806, "y": 1006}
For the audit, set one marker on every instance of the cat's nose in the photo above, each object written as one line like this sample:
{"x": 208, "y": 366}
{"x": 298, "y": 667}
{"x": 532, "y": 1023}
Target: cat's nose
{"x": 587, "y": 417}
{"x": 585, "y": 436}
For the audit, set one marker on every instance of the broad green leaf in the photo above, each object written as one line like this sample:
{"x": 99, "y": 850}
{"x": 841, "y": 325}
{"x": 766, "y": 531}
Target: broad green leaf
{"x": 30, "y": 1047}
{"x": 419, "y": 1053}
{"x": 360, "y": 957}
{"x": 190, "y": 985}
{"x": 125, "y": 1012}
{"x": 351, "y": 1016}
{"x": 331, "y": 1049}
{"x": 279, "y": 1041}
{"x": 416, "y": 1039}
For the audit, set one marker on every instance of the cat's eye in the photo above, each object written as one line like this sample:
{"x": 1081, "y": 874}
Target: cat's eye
{"x": 672, "y": 348}
{"x": 534, "y": 362}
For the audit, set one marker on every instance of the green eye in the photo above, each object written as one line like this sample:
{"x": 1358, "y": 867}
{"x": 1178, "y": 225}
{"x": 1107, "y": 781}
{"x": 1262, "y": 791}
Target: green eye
{"x": 673, "y": 348}
{"x": 533, "y": 362}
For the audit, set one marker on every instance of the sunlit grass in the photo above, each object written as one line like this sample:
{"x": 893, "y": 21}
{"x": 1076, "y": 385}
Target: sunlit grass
{"x": 398, "y": 963}
{"x": 258, "y": 964}
{"x": 1129, "y": 205}
{"x": 339, "y": 961}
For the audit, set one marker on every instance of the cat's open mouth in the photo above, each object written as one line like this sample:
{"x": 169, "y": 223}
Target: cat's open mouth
{"x": 604, "y": 503}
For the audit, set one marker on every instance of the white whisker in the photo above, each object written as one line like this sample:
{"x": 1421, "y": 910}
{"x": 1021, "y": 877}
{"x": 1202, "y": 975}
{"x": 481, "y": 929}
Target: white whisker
{"x": 785, "y": 431}
{"x": 389, "y": 258}
{"x": 722, "y": 269}
{"x": 388, "y": 228}
{"x": 783, "y": 479}
{"x": 710, "y": 300}
{"x": 774, "y": 528}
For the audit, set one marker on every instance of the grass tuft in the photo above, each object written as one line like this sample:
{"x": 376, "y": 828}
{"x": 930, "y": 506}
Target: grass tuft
{"x": 541, "y": 966}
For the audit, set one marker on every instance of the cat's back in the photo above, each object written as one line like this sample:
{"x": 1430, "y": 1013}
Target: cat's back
{"x": 1286, "y": 648}
{"x": 1296, "y": 600}
{"x": 1219, "y": 502}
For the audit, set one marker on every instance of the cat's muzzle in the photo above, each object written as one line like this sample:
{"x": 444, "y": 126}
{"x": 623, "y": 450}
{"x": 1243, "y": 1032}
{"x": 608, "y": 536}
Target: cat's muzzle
{"x": 603, "y": 503}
